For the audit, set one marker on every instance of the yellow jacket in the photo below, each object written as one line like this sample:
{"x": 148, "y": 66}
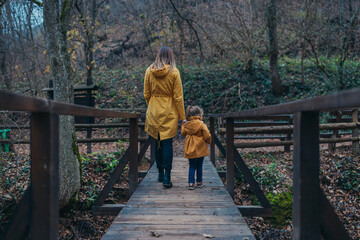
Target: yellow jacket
{"x": 197, "y": 135}
{"x": 163, "y": 93}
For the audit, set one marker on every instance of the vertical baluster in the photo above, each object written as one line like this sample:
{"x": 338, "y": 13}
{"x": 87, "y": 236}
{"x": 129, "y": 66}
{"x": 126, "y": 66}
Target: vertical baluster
{"x": 306, "y": 203}
{"x": 133, "y": 164}
{"x": 230, "y": 155}
{"x": 355, "y": 133}
{"x": 212, "y": 145}
{"x": 44, "y": 175}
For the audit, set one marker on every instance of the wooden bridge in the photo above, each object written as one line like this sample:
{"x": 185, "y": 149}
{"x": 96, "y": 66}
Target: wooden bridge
{"x": 178, "y": 213}
{"x": 155, "y": 212}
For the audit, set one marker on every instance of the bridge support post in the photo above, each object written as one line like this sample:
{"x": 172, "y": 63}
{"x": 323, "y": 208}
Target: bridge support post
{"x": 44, "y": 199}
{"x": 306, "y": 184}
{"x": 230, "y": 156}
{"x": 133, "y": 162}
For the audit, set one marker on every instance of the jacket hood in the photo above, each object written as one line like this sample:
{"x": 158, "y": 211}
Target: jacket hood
{"x": 193, "y": 126}
{"x": 160, "y": 72}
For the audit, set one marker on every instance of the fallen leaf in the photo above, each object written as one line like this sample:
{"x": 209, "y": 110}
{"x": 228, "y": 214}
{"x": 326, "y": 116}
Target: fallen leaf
{"x": 208, "y": 235}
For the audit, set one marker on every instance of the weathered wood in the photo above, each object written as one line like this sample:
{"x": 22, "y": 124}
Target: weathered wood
{"x": 254, "y": 185}
{"x": 114, "y": 177}
{"x": 355, "y": 133}
{"x": 106, "y": 125}
{"x": 44, "y": 176}
{"x": 288, "y": 128}
{"x": 306, "y": 197}
{"x": 178, "y": 213}
{"x": 212, "y": 145}
{"x": 346, "y": 99}
{"x": 133, "y": 155}
{"x": 230, "y": 156}
{"x": 107, "y": 209}
{"x": 255, "y": 211}
{"x": 19, "y": 225}
{"x": 331, "y": 226}
{"x": 15, "y": 102}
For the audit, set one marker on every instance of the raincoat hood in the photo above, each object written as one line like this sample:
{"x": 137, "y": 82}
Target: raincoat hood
{"x": 193, "y": 126}
{"x": 160, "y": 72}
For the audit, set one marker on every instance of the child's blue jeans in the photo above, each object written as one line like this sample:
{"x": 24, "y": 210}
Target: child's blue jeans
{"x": 195, "y": 164}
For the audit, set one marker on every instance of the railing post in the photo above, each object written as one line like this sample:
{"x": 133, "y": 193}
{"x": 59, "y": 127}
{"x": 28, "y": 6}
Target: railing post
{"x": 212, "y": 145}
{"x": 306, "y": 188}
{"x": 133, "y": 163}
{"x": 288, "y": 136}
{"x": 355, "y": 132}
{"x": 230, "y": 156}
{"x": 44, "y": 175}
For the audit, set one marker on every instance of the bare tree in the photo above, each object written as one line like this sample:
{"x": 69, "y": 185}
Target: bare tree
{"x": 56, "y": 23}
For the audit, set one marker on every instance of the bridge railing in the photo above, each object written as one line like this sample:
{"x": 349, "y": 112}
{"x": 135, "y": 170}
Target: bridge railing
{"x": 37, "y": 214}
{"x": 313, "y": 215}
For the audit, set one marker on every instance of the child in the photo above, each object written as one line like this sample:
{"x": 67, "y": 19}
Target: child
{"x": 197, "y": 135}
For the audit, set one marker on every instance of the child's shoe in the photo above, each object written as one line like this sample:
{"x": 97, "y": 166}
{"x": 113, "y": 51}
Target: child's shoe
{"x": 191, "y": 186}
{"x": 199, "y": 184}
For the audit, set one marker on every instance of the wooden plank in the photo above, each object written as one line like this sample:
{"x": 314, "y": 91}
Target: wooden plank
{"x": 306, "y": 184}
{"x": 355, "y": 133}
{"x": 44, "y": 176}
{"x": 255, "y": 211}
{"x": 15, "y": 102}
{"x": 19, "y": 224}
{"x": 178, "y": 213}
{"x": 212, "y": 145}
{"x": 114, "y": 177}
{"x": 343, "y": 100}
{"x": 331, "y": 226}
{"x": 230, "y": 180}
{"x": 133, "y": 155}
{"x": 254, "y": 185}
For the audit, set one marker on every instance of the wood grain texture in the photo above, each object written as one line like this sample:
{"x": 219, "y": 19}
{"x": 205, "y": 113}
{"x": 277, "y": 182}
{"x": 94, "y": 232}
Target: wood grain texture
{"x": 178, "y": 213}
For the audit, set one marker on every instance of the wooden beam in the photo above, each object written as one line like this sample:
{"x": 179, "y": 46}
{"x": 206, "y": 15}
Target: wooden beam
{"x": 19, "y": 225}
{"x": 331, "y": 226}
{"x": 343, "y": 100}
{"x": 255, "y": 211}
{"x": 108, "y": 209}
{"x": 306, "y": 198}
{"x": 133, "y": 157}
{"x": 212, "y": 145}
{"x": 44, "y": 175}
{"x": 230, "y": 181}
{"x": 114, "y": 177}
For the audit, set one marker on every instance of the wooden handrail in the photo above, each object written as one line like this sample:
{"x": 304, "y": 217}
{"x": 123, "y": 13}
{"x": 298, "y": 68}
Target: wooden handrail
{"x": 344, "y": 100}
{"x": 14, "y": 102}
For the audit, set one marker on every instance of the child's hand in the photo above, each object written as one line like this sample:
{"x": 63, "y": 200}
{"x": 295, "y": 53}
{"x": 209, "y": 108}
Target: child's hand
{"x": 183, "y": 121}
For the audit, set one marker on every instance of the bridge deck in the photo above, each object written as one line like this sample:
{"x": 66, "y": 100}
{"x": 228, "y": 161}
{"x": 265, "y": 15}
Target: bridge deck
{"x": 179, "y": 213}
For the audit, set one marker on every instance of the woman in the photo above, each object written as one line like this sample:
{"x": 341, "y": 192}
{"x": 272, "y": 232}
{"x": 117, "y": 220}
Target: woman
{"x": 164, "y": 96}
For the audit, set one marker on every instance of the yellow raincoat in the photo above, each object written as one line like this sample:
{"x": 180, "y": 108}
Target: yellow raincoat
{"x": 197, "y": 136}
{"x": 164, "y": 96}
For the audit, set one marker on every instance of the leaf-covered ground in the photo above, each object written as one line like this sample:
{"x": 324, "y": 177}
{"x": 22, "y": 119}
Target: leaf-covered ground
{"x": 339, "y": 178}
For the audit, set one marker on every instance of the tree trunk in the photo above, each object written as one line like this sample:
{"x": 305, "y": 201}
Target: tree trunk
{"x": 55, "y": 24}
{"x": 273, "y": 50}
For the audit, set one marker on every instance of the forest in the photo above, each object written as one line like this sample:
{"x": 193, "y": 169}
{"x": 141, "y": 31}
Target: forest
{"x": 232, "y": 55}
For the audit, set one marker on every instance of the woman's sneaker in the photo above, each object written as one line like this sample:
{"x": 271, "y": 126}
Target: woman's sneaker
{"x": 199, "y": 184}
{"x": 191, "y": 186}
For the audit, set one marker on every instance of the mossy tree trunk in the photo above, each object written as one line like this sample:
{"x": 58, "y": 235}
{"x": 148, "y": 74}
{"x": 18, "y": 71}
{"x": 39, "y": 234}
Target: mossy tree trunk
{"x": 56, "y": 22}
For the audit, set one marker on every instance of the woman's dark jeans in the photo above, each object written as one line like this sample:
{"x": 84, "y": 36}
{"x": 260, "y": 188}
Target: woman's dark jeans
{"x": 195, "y": 164}
{"x": 164, "y": 154}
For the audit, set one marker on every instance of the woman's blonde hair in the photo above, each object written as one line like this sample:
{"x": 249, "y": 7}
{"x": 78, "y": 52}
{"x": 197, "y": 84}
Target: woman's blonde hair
{"x": 194, "y": 111}
{"x": 164, "y": 56}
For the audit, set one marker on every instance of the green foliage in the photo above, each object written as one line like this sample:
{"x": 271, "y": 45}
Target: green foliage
{"x": 348, "y": 179}
{"x": 281, "y": 204}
